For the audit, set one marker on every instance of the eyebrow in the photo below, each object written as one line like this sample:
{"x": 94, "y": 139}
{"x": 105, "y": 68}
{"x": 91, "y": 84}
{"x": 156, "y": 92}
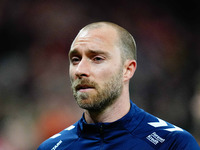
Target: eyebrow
{"x": 72, "y": 52}
{"x": 75, "y": 52}
{"x": 98, "y": 52}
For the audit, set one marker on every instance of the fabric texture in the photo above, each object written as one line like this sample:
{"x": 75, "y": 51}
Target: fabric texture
{"x": 137, "y": 130}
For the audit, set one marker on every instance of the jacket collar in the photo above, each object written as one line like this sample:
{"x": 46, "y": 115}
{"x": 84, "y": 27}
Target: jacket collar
{"x": 128, "y": 122}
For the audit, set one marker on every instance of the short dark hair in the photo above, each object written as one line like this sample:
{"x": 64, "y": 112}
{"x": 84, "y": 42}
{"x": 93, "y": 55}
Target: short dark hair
{"x": 126, "y": 43}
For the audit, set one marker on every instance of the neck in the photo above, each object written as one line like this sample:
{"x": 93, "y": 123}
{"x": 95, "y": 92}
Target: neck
{"x": 112, "y": 113}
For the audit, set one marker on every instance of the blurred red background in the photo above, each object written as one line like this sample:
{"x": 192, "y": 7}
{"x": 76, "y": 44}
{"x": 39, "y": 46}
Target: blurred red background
{"x": 35, "y": 96}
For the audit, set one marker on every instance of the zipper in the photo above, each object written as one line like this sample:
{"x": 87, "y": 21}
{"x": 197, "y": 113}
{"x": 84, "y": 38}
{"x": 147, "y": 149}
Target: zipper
{"x": 101, "y": 136}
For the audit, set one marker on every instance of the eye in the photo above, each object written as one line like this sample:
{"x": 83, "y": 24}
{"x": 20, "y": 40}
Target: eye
{"x": 98, "y": 59}
{"x": 75, "y": 60}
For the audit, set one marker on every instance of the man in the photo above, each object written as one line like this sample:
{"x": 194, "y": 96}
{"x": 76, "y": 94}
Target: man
{"x": 102, "y": 61}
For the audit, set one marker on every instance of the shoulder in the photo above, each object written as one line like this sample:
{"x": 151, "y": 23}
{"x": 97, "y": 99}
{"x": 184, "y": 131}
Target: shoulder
{"x": 183, "y": 140}
{"x": 67, "y": 136}
{"x": 161, "y": 134}
{"x": 170, "y": 136}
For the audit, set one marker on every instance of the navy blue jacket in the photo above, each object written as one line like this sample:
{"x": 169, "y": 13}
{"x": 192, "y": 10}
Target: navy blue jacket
{"x": 137, "y": 130}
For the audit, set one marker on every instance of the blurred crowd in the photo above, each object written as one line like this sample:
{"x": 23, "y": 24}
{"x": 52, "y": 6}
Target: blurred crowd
{"x": 35, "y": 96}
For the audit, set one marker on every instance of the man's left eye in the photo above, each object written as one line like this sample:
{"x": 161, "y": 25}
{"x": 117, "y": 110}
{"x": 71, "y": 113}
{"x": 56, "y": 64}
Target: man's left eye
{"x": 98, "y": 59}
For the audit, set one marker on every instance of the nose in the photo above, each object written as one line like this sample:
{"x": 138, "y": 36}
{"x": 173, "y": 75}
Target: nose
{"x": 83, "y": 69}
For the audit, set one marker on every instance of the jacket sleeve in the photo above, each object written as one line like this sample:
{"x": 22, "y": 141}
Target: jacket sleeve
{"x": 186, "y": 141}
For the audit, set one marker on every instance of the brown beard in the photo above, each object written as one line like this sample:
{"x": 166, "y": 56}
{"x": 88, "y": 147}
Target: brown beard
{"x": 104, "y": 97}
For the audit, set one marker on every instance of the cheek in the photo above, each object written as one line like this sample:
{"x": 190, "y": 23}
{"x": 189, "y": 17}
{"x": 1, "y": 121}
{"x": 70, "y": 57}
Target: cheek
{"x": 71, "y": 73}
{"x": 104, "y": 73}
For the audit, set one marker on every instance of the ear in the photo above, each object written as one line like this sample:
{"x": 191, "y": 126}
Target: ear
{"x": 129, "y": 69}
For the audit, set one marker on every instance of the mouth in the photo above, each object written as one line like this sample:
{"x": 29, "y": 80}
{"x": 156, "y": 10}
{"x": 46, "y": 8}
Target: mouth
{"x": 84, "y": 87}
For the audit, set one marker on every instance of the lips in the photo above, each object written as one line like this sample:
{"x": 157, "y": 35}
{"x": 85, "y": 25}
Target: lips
{"x": 83, "y": 87}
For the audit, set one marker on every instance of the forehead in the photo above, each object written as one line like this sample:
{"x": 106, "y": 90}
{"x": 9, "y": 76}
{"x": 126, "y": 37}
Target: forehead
{"x": 104, "y": 37}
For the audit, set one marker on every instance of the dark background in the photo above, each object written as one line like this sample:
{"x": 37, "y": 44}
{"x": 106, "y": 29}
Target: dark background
{"x": 35, "y": 36}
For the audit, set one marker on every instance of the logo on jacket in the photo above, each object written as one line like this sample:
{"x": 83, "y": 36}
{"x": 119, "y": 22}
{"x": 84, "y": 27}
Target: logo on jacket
{"x": 162, "y": 123}
{"x": 155, "y": 138}
{"x": 56, "y": 146}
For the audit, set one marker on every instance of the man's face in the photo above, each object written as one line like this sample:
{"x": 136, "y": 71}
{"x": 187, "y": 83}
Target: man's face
{"x": 96, "y": 69}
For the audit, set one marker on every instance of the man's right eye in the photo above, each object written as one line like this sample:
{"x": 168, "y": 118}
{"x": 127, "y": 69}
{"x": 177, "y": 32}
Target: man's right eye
{"x": 75, "y": 60}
